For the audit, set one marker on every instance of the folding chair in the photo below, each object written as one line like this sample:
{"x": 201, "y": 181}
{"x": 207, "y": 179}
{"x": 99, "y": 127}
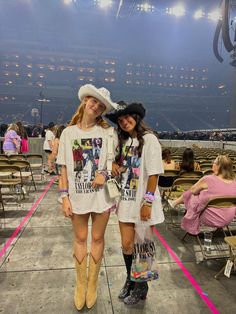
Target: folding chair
{"x": 179, "y": 186}
{"x": 26, "y": 171}
{"x": 207, "y": 172}
{"x": 166, "y": 180}
{"x": 231, "y": 241}
{"x": 190, "y": 174}
{"x": 1, "y": 199}
{"x": 4, "y": 162}
{"x": 206, "y": 167}
{"x": 36, "y": 162}
{"x": 218, "y": 250}
{"x": 16, "y": 157}
{"x": 3, "y": 157}
{"x": 8, "y": 181}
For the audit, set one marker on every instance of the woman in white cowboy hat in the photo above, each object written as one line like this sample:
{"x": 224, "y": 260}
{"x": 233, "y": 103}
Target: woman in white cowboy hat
{"x": 83, "y": 194}
{"x": 140, "y": 157}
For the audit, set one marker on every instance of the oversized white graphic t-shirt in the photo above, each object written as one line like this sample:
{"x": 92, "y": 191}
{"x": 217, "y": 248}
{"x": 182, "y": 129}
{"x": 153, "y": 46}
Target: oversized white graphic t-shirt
{"x": 136, "y": 171}
{"x": 83, "y": 153}
{"x": 131, "y": 171}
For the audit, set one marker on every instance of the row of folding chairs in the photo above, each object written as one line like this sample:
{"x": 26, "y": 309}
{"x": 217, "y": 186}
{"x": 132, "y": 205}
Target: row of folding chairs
{"x": 35, "y": 160}
{"x": 14, "y": 174}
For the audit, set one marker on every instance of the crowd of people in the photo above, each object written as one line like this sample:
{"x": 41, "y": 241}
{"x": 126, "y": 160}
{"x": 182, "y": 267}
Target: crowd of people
{"x": 38, "y": 130}
{"x": 94, "y": 160}
{"x": 199, "y": 135}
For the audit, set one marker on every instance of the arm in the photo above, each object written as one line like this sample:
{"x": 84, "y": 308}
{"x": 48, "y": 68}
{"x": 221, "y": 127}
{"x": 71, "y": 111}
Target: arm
{"x": 54, "y": 150}
{"x": 145, "y": 212}
{"x": 153, "y": 167}
{"x": 199, "y": 186}
{"x": 50, "y": 144}
{"x": 66, "y": 204}
{"x": 16, "y": 143}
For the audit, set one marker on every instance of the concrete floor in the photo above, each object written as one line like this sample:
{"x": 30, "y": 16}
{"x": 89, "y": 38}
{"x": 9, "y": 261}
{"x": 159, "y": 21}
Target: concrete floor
{"x": 37, "y": 271}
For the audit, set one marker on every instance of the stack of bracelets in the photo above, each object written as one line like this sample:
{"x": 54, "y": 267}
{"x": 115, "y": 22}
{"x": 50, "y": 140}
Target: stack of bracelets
{"x": 104, "y": 173}
{"x": 148, "y": 199}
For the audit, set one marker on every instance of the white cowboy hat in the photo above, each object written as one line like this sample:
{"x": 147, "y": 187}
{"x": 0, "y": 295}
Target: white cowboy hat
{"x": 102, "y": 94}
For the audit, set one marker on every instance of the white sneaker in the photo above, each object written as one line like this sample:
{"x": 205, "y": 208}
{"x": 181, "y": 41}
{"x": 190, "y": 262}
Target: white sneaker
{"x": 59, "y": 199}
{"x": 171, "y": 203}
{"x": 24, "y": 190}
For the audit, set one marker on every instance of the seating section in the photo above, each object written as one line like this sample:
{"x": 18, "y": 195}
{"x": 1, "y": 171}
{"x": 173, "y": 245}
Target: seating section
{"x": 173, "y": 183}
{"x": 17, "y": 175}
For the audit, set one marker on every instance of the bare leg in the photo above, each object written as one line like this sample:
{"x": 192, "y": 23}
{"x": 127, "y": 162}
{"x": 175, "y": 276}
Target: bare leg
{"x": 127, "y": 237}
{"x": 80, "y": 226}
{"x": 179, "y": 200}
{"x": 99, "y": 223}
{"x": 176, "y": 202}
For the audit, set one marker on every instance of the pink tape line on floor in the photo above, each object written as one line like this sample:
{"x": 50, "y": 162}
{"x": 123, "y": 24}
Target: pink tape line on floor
{"x": 196, "y": 286}
{"x": 30, "y": 213}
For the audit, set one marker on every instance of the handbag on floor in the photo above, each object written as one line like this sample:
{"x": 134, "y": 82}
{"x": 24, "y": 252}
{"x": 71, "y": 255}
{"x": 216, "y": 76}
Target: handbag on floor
{"x": 144, "y": 253}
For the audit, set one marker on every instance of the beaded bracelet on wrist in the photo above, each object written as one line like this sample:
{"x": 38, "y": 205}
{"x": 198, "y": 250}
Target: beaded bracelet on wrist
{"x": 149, "y": 198}
{"x": 104, "y": 173}
{"x": 147, "y": 204}
{"x": 63, "y": 191}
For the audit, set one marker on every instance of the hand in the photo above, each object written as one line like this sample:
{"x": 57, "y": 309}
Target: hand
{"x": 145, "y": 212}
{"x": 115, "y": 169}
{"x": 98, "y": 181}
{"x": 66, "y": 207}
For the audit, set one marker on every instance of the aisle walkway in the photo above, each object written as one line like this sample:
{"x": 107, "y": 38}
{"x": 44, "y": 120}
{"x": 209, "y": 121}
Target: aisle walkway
{"x": 37, "y": 272}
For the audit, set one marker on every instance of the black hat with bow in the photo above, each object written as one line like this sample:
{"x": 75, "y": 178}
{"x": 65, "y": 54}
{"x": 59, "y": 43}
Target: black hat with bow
{"x": 124, "y": 109}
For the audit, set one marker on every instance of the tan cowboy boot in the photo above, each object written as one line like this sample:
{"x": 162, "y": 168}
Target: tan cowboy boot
{"x": 81, "y": 283}
{"x": 91, "y": 296}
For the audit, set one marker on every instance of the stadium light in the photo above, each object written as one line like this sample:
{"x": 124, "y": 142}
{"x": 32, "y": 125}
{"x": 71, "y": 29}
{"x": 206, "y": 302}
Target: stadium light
{"x": 178, "y": 10}
{"x": 103, "y": 3}
{"x": 214, "y": 15}
{"x": 199, "y": 14}
{"x": 67, "y": 2}
{"x": 146, "y": 7}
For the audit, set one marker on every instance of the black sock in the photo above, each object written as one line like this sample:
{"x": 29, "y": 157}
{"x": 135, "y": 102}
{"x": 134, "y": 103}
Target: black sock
{"x": 128, "y": 263}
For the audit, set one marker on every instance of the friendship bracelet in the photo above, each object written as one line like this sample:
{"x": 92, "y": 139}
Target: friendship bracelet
{"x": 149, "y": 193}
{"x": 104, "y": 173}
{"x": 150, "y": 198}
{"x": 146, "y": 204}
{"x": 63, "y": 191}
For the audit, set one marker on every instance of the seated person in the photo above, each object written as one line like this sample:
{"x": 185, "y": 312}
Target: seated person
{"x": 188, "y": 164}
{"x": 221, "y": 183}
{"x": 168, "y": 163}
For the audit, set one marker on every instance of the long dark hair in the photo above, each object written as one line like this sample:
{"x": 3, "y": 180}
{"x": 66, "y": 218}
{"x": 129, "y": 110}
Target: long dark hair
{"x": 187, "y": 163}
{"x": 59, "y": 131}
{"x": 166, "y": 155}
{"x": 141, "y": 129}
{"x": 21, "y": 130}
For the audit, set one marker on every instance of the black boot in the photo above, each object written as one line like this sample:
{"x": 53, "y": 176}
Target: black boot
{"x": 129, "y": 285}
{"x": 139, "y": 293}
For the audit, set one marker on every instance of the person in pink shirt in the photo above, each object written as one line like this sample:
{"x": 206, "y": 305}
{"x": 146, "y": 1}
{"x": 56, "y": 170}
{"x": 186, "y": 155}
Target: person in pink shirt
{"x": 221, "y": 183}
{"x": 12, "y": 140}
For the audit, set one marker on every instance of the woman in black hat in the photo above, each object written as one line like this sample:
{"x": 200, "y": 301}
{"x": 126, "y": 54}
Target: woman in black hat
{"x": 138, "y": 163}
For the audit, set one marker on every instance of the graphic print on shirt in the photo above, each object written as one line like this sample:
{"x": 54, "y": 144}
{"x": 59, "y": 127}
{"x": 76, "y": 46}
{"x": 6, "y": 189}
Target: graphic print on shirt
{"x": 130, "y": 178}
{"x": 86, "y": 153}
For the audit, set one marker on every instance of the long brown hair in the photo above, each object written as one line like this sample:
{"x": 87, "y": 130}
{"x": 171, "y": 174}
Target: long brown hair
{"x": 141, "y": 129}
{"x": 166, "y": 155}
{"x": 21, "y": 130}
{"x": 187, "y": 163}
{"x": 78, "y": 116}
